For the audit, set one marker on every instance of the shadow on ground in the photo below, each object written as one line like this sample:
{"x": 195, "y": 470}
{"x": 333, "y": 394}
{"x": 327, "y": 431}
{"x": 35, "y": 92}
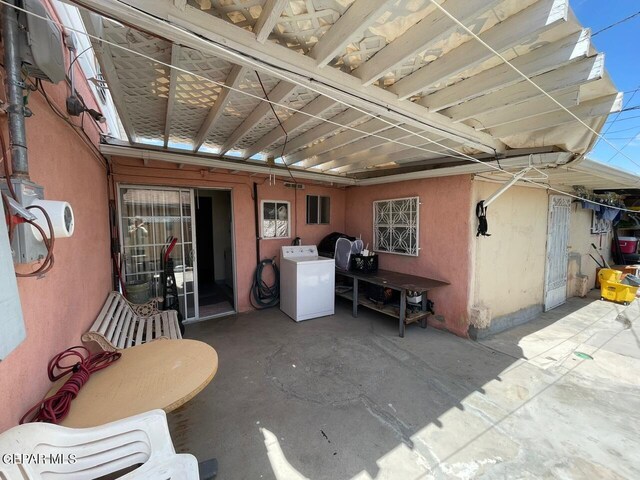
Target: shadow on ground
{"x": 342, "y": 398}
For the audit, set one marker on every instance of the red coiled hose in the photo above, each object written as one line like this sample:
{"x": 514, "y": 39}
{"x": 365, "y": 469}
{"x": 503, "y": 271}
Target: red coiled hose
{"x": 55, "y": 408}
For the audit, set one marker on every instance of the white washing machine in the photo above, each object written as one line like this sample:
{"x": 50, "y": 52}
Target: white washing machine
{"x": 306, "y": 283}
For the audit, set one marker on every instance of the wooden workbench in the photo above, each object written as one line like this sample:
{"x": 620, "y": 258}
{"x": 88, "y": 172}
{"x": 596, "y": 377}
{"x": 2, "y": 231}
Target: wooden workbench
{"x": 395, "y": 281}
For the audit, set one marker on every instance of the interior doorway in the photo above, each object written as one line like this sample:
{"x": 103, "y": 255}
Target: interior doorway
{"x": 214, "y": 247}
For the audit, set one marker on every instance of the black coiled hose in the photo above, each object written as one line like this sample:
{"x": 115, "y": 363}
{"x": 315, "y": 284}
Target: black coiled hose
{"x": 264, "y": 295}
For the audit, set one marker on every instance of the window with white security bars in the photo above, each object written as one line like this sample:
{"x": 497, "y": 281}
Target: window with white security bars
{"x": 396, "y": 226}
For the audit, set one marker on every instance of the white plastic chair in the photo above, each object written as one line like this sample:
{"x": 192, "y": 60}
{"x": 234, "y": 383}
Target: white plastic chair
{"x": 97, "y": 451}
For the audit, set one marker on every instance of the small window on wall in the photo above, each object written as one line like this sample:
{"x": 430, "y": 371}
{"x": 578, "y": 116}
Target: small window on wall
{"x": 318, "y": 210}
{"x": 276, "y": 219}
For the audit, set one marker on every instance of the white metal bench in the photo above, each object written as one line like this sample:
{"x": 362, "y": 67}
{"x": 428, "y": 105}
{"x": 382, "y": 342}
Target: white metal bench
{"x": 122, "y": 324}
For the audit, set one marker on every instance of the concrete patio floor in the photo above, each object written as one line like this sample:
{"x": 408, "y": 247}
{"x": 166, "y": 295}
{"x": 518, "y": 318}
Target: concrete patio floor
{"x": 342, "y": 398}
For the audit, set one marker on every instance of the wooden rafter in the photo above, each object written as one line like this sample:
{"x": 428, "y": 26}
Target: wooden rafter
{"x": 279, "y": 93}
{"x": 511, "y": 113}
{"x": 342, "y": 156}
{"x": 297, "y": 120}
{"x": 307, "y": 156}
{"x": 241, "y": 47}
{"x": 422, "y": 36}
{"x": 347, "y": 118}
{"x": 173, "y": 82}
{"x": 360, "y": 15}
{"x": 528, "y": 23}
{"x": 540, "y": 60}
{"x": 392, "y": 152}
{"x": 217, "y": 109}
{"x": 573, "y": 75}
{"x": 105, "y": 57}
{"x": 593, "y": 108}
{"x": 268, "y": 18}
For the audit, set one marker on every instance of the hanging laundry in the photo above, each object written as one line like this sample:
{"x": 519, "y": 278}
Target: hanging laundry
{"x": 611, "y": 214}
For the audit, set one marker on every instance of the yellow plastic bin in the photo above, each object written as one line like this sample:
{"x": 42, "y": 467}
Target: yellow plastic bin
{"x": 609, "y": 275}
{"x": 611, "y": 289}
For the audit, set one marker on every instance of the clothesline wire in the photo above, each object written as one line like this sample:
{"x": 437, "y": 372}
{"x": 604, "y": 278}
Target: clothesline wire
{"x": 623, "y": 130}
{"x": 270, "y": 68}
{"x": 626, "y": 118}
{"x": 577, "y": 197}
{"x": 456, "y": 154}
{"x": 459, "y": 154}
{"x": 526, "y": 78}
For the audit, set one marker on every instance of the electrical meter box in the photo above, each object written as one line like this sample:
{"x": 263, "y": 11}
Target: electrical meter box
{"x": 25, "y": 247}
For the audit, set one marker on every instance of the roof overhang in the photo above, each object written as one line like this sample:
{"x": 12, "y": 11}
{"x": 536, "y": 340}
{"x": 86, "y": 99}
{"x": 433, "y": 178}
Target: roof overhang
{"x": 363, "y": 88}
{"x": 511, "y": 164}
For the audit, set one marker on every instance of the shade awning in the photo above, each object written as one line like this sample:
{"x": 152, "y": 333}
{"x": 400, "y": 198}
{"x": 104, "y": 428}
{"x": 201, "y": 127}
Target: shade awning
{"x": 358, "y": 86}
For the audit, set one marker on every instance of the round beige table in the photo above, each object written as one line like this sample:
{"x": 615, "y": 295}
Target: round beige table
{"x": 160, "y": 374}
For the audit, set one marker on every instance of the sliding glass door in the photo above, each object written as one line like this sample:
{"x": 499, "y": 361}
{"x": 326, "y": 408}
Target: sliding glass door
{"x": 149, "y": 218}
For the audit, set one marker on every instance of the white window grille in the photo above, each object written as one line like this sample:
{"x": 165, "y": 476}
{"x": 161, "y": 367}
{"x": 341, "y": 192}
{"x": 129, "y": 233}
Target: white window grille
{"x": 396, "y": 226}
{"x": 276, "y": 220}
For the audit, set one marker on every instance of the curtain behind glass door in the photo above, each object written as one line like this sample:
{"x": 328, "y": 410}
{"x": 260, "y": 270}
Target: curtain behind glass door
{"x": 148, "y": 218}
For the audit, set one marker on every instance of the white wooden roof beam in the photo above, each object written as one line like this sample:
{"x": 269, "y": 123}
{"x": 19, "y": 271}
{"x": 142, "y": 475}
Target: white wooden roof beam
{"x": 234, "y": 78}
{"x": 432, "y": 29}
{"x": 593, "y": 108}
{"x": 209, "y": 162}
{"x": 530, "y": 108}
{"x": 399, "y": 161}
{"x": 373, "y": 126}
{"x": 271, "y": 11}
{"x": 572, "y": 75}
{"x": 392, "y": 152}
{"x": 340, "y": 156}
{"x": 349, "y": 27}
{"x": 105, "y": 57}
{"x": 524, "y": 25}
{"x": 173, "y": 82}
{"x": 291, "y": 124}
{"x": 279, "y": 93}
{"x": 346, "y": 118}
{"x": 540, "y": 60}
{"x": 208, "y": 34}
{"x": 511, "y": 163}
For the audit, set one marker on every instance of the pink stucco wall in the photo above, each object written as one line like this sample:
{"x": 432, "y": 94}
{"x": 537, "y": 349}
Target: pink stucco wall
{"x": 444, "y": 224}
{"x": 309, "y": 234}
{"x": 60, "y": 306}
{"x": 133, "y": 171}
{"x": 444, "y": 238}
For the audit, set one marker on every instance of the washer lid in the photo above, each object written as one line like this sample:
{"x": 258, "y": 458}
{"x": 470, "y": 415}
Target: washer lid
{"x": 308, "y": 260}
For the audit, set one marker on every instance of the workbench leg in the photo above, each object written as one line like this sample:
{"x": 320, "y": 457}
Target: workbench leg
{"x": 403, "y": 310}
{"x": 423, "y": 321}
{"x": 354, "y": 311}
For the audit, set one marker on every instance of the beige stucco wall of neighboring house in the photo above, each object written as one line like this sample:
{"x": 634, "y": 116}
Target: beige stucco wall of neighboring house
{"x": 508, "y": 279}
{"x": 580, "y": 240}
